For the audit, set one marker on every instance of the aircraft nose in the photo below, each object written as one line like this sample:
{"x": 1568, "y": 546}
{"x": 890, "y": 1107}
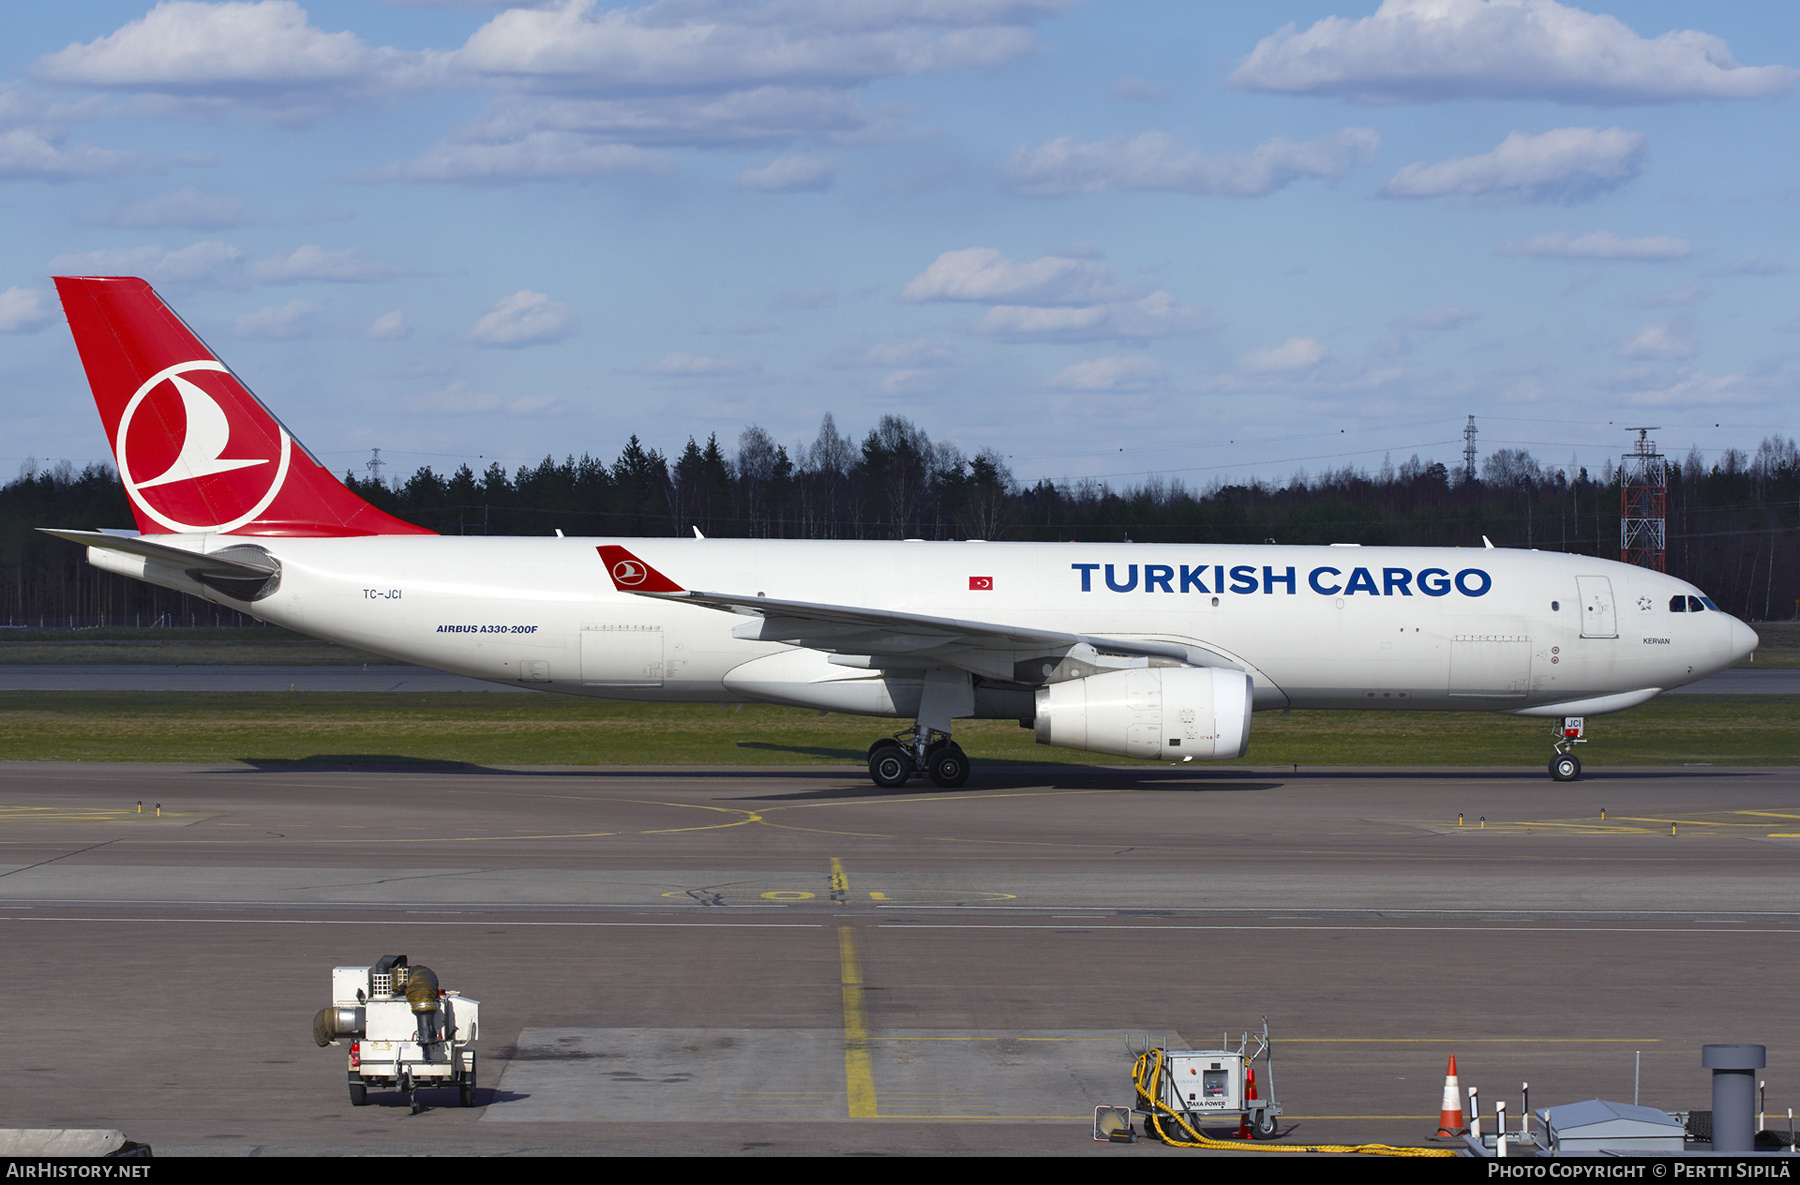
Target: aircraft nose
{"x": 1743, "y": 641}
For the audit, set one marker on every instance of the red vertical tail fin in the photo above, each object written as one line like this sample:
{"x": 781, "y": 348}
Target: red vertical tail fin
{"x": 196, "y": 451}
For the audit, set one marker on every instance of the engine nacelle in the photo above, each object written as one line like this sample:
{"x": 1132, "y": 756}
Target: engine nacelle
{"x": 1165, "y": 712}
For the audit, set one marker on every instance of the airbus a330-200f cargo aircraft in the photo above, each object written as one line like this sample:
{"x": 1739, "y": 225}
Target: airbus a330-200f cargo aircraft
{"x": 1140, "y": 650}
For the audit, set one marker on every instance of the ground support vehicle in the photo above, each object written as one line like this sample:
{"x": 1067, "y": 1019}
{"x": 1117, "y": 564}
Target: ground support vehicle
{"x": 405, "y": 1032}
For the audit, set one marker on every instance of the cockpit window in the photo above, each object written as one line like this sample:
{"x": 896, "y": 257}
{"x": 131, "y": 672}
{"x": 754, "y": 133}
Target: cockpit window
{"x": 1678, "y": 604}
{"x": 1705, "y": 603}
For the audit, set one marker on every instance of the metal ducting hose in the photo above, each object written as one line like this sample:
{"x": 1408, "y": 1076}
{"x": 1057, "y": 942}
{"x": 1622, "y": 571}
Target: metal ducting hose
{"x": 331, "y": 1023}
{"x": 422, "y": 995}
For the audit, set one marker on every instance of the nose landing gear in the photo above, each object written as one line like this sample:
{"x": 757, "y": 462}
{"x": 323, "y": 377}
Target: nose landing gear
{"x": 1565, "y": 766}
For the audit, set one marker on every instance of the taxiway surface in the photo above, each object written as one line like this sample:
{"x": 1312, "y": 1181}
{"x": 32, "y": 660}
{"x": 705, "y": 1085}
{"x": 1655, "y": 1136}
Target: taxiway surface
{"x": 794, "y": 961}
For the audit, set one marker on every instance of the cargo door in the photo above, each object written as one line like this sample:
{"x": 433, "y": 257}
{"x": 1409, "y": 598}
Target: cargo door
{"x": 621, "y": 656}
{"x": 1598, "y": 619}
{"x": 1490, "y": 664}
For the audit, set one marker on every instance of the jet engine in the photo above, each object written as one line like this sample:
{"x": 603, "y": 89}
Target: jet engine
{"x": 1165, "y": 712}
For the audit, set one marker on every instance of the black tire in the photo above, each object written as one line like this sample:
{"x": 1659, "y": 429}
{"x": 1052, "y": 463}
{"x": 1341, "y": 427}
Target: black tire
{"x": 1565, "y": 767}
{"x": 1263, "y": 1126}
{"x": 466, "y": 1094}
{"x": 948, "y": 766}
{"x": 889, "y": 766}
{"x": 359, "y": 1095}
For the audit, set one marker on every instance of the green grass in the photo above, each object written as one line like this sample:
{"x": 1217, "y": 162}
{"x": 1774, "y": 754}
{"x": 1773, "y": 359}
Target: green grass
{"x": 480, "y": 728}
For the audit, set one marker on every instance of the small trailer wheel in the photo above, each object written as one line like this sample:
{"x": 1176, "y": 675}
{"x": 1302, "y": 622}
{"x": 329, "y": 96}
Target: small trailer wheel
{"x": 359, "y": 1095}
{"x": 1263, "y": 1125}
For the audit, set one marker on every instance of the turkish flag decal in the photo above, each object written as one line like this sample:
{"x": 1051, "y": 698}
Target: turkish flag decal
{"x": 981, "y": 584}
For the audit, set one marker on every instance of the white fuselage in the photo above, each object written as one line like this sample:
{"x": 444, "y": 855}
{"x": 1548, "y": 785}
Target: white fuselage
{"x": 1316, "y": 627}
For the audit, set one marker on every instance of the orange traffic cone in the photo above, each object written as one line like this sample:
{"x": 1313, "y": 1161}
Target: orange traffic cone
{"x": 1250, "y": 1096}
{"x": 1450, "y": 1118}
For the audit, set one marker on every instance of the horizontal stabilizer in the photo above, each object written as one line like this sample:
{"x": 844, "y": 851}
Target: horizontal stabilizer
{"x": 236, "y": 562}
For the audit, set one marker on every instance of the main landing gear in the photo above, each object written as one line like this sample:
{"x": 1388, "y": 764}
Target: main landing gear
{"x": 1565, "y": 766}
{"x": 893, "y": 761}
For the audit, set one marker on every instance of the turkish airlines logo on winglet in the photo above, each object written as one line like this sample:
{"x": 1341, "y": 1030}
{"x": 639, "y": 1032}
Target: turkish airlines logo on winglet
{"x": 223, "y": 473}
{"x": 630, "y": 574}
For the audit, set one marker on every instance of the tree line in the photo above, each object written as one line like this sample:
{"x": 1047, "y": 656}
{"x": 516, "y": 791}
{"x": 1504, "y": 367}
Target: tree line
{"x": 1731, "y": 524}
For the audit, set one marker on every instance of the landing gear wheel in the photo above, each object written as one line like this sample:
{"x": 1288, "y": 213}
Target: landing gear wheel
{"x": 1565, "y": 767}
{"x": 466, "y": 1094}
{"x": 1263, "y": 1126}
{"x": 359, "y": 1095}
{"x": 889, "y": 766}
{"x": 948, "y": 765}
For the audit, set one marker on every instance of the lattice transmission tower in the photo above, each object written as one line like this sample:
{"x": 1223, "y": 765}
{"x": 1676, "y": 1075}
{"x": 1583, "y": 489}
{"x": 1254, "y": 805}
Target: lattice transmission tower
{"x": 1643, "y": 502}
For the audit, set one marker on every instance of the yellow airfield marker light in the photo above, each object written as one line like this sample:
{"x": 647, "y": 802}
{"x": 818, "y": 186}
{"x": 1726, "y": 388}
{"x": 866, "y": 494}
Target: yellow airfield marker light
{"x": 1603, "y": 814}
{"x": 159, "y": 810}
{"x": 140, "y": 806}
{"x": 1671, "y": 828}
{"x": 1484, "y": 822}
{"x": 1459, "y": 821}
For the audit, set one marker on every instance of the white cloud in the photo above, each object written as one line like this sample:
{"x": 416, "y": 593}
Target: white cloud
{"x": 1157, "y": 161}
{"x": 765, "y": 115}
{"x": 540, "y": 156}
{"x": 1601, "y": 245}
{"x": 677, "y": 365}
{"x": 263, "y": 52}
{"x": 1154, "y": 315}
{"x": 1295, "y": 354}
{"x": 189, "y": 209}
{"x": 1053, "y": 298}
{"x": 811, "y": 174}
{"x": 1566, "y": 165}
{"x": 296, "y": 319}
{"x": 1122, "y": 372}
{"x": 674, "y": 44}
{"x": 983, "y": 274}
{"x": 28, "y": 154}
{"x": 312, "y": 262}
{"x": 23, "y": 310}
{"x": 525, "y": 318}
{"x": 1690, "y": 388}
{"x": 209, "y": 262}
{"x": 1413, "y": 51}
{"x": 1668, "y": 339}
{"x": 389, "y": 327}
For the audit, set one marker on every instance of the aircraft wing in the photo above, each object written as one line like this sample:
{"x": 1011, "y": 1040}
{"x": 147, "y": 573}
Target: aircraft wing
{"x": 887, "y": 638}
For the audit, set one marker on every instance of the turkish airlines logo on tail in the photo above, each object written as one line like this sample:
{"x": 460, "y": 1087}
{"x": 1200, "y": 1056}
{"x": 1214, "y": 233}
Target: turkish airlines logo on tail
{"x": 630, "y": 574}
{"x": 219, "y": 470}
{"x": 981, "y": 584}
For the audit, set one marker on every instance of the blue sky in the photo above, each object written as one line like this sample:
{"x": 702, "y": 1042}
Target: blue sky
{"x": 1207, "y": 241}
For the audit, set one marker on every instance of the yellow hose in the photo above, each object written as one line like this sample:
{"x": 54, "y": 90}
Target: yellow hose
{"x": 1152, "y": 1100}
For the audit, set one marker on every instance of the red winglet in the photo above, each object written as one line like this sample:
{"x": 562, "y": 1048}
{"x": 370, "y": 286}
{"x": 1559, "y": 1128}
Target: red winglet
{"x": 197, "y": 452}
{"x": 630, "y": 574}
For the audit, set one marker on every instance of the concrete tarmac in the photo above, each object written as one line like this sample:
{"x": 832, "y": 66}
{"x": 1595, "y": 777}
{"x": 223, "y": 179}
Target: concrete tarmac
{"x": 795, "y": 962}
{"x": 134, "y": 677}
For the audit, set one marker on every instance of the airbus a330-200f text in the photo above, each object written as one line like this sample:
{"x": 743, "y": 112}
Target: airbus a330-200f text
{"x": 1139, "y": 650}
